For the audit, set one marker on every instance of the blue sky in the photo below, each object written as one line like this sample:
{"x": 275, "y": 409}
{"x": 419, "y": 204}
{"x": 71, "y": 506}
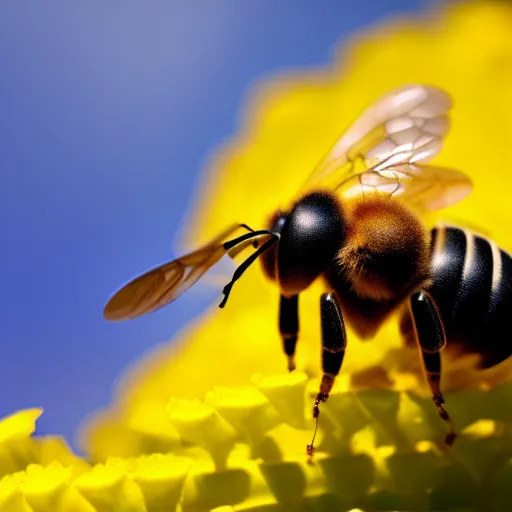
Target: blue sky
{"x": 107, "y": 112}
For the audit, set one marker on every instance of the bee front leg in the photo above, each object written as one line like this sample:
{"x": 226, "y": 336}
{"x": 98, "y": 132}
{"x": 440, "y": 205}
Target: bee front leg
{"x": 431, "y": 339}
{"x": 334, "y": 342}
{"x": 289, "y": 327}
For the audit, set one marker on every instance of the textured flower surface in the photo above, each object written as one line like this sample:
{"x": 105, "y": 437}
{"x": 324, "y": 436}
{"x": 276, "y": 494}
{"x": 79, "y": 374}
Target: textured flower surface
{"x": 211, "y": 421}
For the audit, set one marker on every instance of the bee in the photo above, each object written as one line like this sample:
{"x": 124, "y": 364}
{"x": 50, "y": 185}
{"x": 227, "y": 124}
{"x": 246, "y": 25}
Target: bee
{"x": 358, "y": 224}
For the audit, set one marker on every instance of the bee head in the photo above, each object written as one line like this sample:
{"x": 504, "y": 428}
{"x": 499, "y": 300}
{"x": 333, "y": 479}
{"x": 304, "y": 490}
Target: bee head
{"x": 311, "y": 234}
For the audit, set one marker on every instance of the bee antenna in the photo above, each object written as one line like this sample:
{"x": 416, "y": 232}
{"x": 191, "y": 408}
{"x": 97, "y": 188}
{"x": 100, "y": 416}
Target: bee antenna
{"x": 247, "y": 236}
{"x": 245, "y": 226}
{"x": 248, "y": 262}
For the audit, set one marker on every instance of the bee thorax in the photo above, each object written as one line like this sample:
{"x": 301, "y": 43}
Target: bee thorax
{"x": 386, "y": 252}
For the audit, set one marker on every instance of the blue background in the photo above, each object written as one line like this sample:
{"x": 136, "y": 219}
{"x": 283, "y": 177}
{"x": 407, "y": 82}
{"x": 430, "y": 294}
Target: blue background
{"x": 107, "y": 112}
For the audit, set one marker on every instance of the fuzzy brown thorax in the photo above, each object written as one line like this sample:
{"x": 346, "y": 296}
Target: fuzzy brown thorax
{"x": 386, "y": 252}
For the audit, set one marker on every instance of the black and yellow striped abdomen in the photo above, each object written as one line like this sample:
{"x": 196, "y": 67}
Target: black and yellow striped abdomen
{"x": 472, "y": 287}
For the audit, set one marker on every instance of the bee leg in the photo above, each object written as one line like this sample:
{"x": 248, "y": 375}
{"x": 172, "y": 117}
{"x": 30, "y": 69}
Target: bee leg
{"x": 431, "y": 340}
{"x": 289, "y": 327}
{"x": 334, "y": 342}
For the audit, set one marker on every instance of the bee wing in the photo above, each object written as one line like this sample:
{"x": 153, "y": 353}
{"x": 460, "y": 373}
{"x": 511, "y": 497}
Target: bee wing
{"x": 164, "y": 284}
{"x": 426, "y": 188}
{"x": 404, "y": 127}
{"x": 431, "y": 187}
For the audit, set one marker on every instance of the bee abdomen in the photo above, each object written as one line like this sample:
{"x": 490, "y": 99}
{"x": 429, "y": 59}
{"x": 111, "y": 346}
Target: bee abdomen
{"x": 472, "y": 286}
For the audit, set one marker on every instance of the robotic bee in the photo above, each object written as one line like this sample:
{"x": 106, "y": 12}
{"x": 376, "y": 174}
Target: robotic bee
{"x": 357, "y": 224}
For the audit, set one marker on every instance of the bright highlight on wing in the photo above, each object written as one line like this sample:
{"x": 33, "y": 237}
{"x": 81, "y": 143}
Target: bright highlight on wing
{"x": 384, "y": 148}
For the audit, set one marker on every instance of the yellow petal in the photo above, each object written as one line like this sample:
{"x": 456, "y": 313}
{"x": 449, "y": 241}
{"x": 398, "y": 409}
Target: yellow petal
{"x": 200, "y": 424}
{"x": 108, "y": 487}
{"x": 19, "y": 424}
{"x": 11, "y": 494}
{"x": 161, "y": 479}
{"x": 17, "y": 448}
{"x": 48, "y": 488}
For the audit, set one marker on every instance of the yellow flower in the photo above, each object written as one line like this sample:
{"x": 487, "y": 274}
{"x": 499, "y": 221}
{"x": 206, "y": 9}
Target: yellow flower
{"x": 465, "y": 49}
{"x": 211, "y": 420}
{"x": 42, "y": 474}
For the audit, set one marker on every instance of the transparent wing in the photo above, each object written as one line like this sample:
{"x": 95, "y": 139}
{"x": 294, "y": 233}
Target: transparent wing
{"x": 426, "y": 188}
{"x": 391, "y": 138}
{"x": 164, "y": 284}
{"x": 432, "y": 188}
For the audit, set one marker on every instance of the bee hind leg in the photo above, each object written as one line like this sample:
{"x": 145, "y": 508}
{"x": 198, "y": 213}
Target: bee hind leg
{"x": 431, "y": 339}
{"x": 334, "y": 342}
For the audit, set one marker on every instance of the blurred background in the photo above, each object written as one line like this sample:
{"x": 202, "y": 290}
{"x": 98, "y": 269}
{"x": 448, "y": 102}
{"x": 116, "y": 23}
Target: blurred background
{"x": 108, "y": 111}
